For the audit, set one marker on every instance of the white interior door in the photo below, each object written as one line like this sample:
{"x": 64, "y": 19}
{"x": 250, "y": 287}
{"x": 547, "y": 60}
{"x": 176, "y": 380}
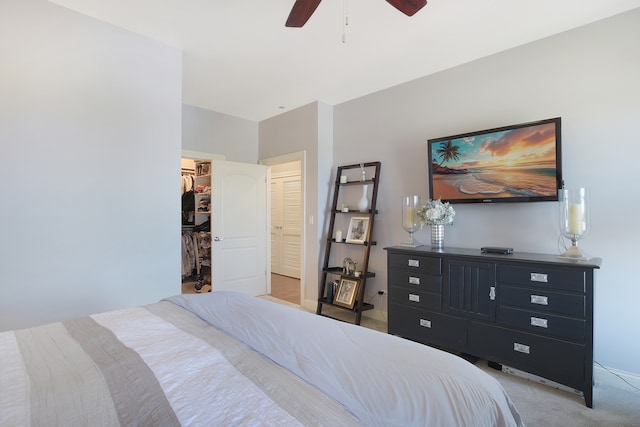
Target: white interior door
{"x": 286, "y": 224}
{"x": 239, "y": 227}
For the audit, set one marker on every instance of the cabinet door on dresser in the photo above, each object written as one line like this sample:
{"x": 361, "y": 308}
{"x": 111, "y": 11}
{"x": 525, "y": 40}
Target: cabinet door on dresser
{"x": 470, "y": 289}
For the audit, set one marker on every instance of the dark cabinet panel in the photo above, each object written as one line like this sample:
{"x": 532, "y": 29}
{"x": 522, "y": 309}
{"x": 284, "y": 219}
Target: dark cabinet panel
{"x": 416, "y": 281}
{"x": 532, "y": 312}
{"x": 543, "y": 276}
{"x": 416, "y": 299}
{"x": 548, "y": 324}
{"x": 428, "y": 327}
{"x": 469, "y": 289}
{"x": 557, "y": 360}
{"x": 415, "y": 263}
{"x": 543, "y": 300}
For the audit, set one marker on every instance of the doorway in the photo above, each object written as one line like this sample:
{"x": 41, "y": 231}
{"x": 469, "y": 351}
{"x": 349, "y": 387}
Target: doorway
{"x": 237, "y": 238}
{"x": 287, "y": 209}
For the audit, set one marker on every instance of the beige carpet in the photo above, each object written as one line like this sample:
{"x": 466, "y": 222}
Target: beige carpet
{"x": 615, "y": 403}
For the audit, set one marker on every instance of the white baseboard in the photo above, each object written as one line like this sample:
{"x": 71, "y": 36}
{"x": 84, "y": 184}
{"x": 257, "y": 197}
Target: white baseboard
{"x": 616, "y": 378}
{"x": 377, "y": 313}
{"x": 612, "y": 377}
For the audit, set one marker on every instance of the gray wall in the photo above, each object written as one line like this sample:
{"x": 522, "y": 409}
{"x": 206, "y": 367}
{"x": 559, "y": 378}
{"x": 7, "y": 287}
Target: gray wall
{"x": 589, "y": 77}
{"x": 90, "y": 122}
{"x": 308, "y": 129}
{"x": 211, "y": 132}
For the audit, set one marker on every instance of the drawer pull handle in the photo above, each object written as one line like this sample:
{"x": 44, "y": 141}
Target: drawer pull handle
{"x": 425, "y": 323}
{"x": 521, "y": 348}
{"x": 492, "y": 293}
{"x": 414, "y": 297}
{"x": 539, "y": 277}
{"x": 539, "y": 299}
{"x": 414, "y": 280}
{"x": 414, "y": 263}
{"x": 536, "y": 321}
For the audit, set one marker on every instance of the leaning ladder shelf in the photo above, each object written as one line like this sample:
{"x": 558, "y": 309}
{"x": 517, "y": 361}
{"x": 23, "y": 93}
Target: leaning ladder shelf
{"x": 328, "y": 271}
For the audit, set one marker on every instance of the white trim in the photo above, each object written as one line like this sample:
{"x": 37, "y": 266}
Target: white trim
{"x": 286, "y": 158}
{"x": 616, "y": 378}
{"x": 199, "y": 155}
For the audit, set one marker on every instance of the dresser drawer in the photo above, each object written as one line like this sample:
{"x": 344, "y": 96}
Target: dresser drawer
{"x": 415, "y": 281}
{"x": 557, "y": 360}
{"x": 417, "y": 263}
{"x": 543, "y": 277}
{"x": 427, "y": 327}
{"x": 543, "y": 323}
{"x": 543, "y": 300}
{"x": 415, "y": 298}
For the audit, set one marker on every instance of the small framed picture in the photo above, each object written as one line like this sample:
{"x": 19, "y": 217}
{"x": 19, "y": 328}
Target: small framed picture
{"x": 346, "y": 293}
{"x": 358, "y": 230}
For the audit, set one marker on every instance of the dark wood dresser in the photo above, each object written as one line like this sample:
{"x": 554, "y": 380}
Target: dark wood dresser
{"x": 532, "y": 312}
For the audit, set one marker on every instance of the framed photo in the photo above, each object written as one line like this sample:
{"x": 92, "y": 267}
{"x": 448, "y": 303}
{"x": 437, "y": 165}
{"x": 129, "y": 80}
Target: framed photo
{"x": 346, "y": 293}
{"x": 358, "y": 229}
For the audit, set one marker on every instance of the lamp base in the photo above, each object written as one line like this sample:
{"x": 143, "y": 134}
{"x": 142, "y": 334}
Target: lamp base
{"x": 574, "y": 254}
{"x": 412, "y": 241}
{"x": 410, "y": 245}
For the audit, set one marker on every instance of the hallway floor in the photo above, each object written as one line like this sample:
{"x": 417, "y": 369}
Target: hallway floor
{"x": 285, "y": 288}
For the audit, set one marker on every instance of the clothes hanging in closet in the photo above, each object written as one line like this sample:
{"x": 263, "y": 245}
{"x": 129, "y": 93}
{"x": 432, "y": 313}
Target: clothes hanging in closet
{"x": 190, "y": 260}
{"x": 188, "y": 198}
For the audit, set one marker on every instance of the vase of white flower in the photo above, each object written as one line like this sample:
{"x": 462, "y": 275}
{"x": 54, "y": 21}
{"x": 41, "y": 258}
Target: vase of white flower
{"x": 436, "y": 214}
{"x": 437, "y": 236}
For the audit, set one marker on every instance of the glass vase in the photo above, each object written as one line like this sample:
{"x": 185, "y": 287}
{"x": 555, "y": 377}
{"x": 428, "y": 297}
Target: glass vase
{"x": 574, "y": 220}
{"x": 363, "y": 203}
{"x": 410, "y": 223}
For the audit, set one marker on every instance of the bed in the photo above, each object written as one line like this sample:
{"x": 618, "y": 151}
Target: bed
{"x": 224, "y": 359}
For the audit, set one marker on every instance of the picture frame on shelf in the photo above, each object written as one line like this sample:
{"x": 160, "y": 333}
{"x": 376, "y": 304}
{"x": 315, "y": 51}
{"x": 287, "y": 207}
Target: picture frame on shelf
{"x": 346, "y": 293}
{"x": 358, "y": 230}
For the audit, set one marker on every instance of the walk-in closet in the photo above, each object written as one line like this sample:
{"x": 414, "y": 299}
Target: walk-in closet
{"x": 196, "y": 226}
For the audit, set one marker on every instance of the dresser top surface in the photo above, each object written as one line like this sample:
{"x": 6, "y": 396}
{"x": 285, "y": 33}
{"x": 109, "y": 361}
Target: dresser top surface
{"x": 515, "y": 256}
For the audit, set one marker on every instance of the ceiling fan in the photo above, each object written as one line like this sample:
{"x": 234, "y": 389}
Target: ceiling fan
{"x": 303, "y": 9}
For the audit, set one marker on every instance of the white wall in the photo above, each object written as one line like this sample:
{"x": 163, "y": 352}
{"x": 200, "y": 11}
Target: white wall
{"x": 207, "y": 131}
{"x": 589, "y": 77}
{"x": 90, "y": 123}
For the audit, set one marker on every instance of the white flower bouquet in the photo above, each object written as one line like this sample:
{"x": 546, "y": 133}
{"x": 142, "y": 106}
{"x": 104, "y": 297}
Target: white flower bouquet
{"x": 435, "y": 212}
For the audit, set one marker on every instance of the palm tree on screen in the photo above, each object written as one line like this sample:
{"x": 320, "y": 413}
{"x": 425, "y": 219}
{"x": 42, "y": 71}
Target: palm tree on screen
{"x": 447, "y": 151}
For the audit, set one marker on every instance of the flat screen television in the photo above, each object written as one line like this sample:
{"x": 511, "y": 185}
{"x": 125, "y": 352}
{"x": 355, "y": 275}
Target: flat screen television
{"x": 517, "y": 163}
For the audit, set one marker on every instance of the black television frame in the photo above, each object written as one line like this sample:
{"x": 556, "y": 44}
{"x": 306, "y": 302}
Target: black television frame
{"x": 459, "y": 174}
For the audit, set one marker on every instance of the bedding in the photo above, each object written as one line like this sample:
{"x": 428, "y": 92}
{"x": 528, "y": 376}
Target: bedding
{"x": 225, "y": 358}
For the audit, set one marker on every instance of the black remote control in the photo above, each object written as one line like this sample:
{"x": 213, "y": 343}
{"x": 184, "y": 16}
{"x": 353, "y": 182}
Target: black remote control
{"x": 496, "y": 250}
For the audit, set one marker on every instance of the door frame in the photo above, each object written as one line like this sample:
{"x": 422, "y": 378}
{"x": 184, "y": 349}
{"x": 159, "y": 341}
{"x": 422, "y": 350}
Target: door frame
{"x": 276, "y": 160}
{"x": 199, "y": 155}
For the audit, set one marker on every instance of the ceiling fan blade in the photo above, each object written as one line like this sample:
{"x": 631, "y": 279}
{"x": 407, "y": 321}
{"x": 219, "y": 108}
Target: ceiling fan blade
{"x": 408, "y": 7}
{"x": 301, "y": 12}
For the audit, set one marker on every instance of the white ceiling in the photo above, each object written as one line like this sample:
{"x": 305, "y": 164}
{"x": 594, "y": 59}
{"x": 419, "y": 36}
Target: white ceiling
{"x": 240, "y": 59}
